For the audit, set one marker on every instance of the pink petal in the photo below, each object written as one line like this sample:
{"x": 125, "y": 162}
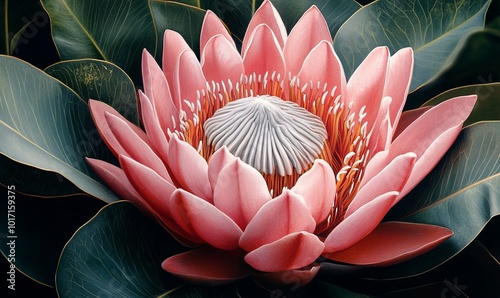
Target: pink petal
{"x": 281, "y": 216}
{"x": 375, "y": 164}
{"x": 392, "y": 178}
{"x": 366, "y": 85}
{"x": 134, "y": 147}
{"x": 361, "y": 223}
{"x": 98, "y": 110}
{"x": 317, "y": 187}
{"x": 152, "y": 126}
{"x": 158, "y": 91}
{"x": 189, "y": 168}
{"x": 208, "y": 266}
{"x": 209, "y": 223}
{"x": 221, "y": 61}
{"x": 322, "y": 65}
{"x": 268, "y": 15}
{"x": 407, "y": 117}
{"x": 309, "y": 31}
{"x": 264, "y": 54}
{"x": 292, "y": 278}
{"x": 381, "y": 134}
{"x": 398, "y": 82}
{"x": 211, "y": 27}
{"x": 290, "y": 252}
{"x": 217, "y": 161}
{"x": 430, "y": 136}
{"x": 391, "y": 243}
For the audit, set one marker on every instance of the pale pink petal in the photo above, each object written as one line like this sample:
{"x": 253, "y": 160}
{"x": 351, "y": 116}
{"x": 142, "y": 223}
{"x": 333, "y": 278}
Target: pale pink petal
{"x": 173, "y": 45}
{"x": 208, "y": 266}
{"x": 366, "y": 86}
{"x": 208, "y": 222}
{"x": 317, "y": 187}
{"x": 398, "y": 82}
{"x": 361, "y": 223}
{"x": 374, "y": 166}
{"x": 152, "y": 126}
{"x": 240, "y": 192}
{"x": 189, "y": 168}
{"x": 281, "y": 216}
{"x": 217, "y": 162}
{"x": 309, "y": 31}
{"x": 268, "y": 15}
{"x": 381, "y": 134}
{"x": 391, "y": 243}
{"x": 392, "y": 178}
{"x": 322, "y": 65}
{"x": 407, "y": 117}
{"x": 293, "y": 251}
{"x": 134, "y": 147}
{"x": 212, "y": 26}
{"x": 295, "y": 278}
{"x": 157, "y": 90}
{"x": 98, "y": 110}
{"x": 264, "y": 54}
{"x": 221, "y": 62}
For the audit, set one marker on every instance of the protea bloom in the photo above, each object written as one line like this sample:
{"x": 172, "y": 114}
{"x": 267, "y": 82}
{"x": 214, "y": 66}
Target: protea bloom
{"x": 266, "y": 160}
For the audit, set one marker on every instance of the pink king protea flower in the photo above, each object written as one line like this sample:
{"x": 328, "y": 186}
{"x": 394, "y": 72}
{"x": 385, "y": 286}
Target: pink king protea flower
{"x": 266, "y": 160}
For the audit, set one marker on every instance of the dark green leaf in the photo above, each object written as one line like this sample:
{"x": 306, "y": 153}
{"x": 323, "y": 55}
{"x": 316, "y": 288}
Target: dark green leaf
{"x": 113, "y": 30}
{"x": 44, "y": 124}
{"x": 100, "y": 80}
{"x": 14, "y": 15}
{"x": 433, "y": 29}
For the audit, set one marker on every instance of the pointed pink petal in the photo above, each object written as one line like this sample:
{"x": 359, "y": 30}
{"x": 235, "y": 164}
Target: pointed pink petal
{"x": 281, "y": 216}
{"x": 152, "y": 126}
{"x": 268, "y": 15}
{"x": 134, "y": 147}
{"x": 208, "y": 222}
{"x": 98, "y": 110}
{"x": 217, "y": 161}
{"x": 392, "y": 178}
{"x": 407, "y": 117}
{"x": 398, "y": 82}
{"x": 189, "y": 168}
{"x": 173, "y": 45}
{"x": 309, "y": 31}
{"x": 374, "y": 166}
{"x": 361, "y": 223}
{"x": 264, "y": 54}
{"x": 317, "y": 187}
{"x": 293, "y": 251}
{"x": 322, "y": 65}
{"x": 366, "y": 85}
{"x": 296, "y": 277}
{"x": 208, "y": 266}
{"x": 391, "y": 243}
{"x": 212, "y": 26}
{"x": 381, "y": 134}
{"x": 221, "y": 62}
{"x": 430, "y": 136}
{"x": 157, "y": 90}
{"x": 240, "y": 192}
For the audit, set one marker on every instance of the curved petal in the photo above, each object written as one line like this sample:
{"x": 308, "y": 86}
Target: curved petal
{"x": 292, "y": 278}
{"x": 290, "y": 252}
{"x": 210, "y": 224}
{"x": 268, "y": 15}
{"x": 309, "y": 31}
{"x": 208, "y": 266}
{"x": 391, "y": 243}
{"x": 221, "y": 62}
{"x": 281, "y": 216}
{"x": 406, "y": 118}
{"x": 317, "y": 187}
{"x": 264, "y": 54}
{"x": 134, "y": 147}
{"x": 361, "y": 223}
{"x": 217, "y": 162}
{"x": 173, "y": 45}
{"x": 212, "y": 26}
{"x": 381, "y": 134}
{"x": 189, "y": 168}
{"x": 322, "y": 65}
{"x": 392, "y": 178}
{"x": 152, "y": 126}
{"x": 240, "y": 192}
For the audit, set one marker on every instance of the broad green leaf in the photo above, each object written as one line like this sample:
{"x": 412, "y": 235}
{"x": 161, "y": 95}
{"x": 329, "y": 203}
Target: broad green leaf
{"x": 43, "y": 226}
{"x": 336, "y": 12}
{"x": 14, "y": 15}
{"x": 117, "y": 254}
{"x": 434, "y": 29}
{"x": 100, "y": 80}
{"x": 182, "y": 18}
{"x": 113, "y": 30}
{"x": 487, "y": 105}
{"x": 461, "y": 193}
{"x": 44, "y": 124}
